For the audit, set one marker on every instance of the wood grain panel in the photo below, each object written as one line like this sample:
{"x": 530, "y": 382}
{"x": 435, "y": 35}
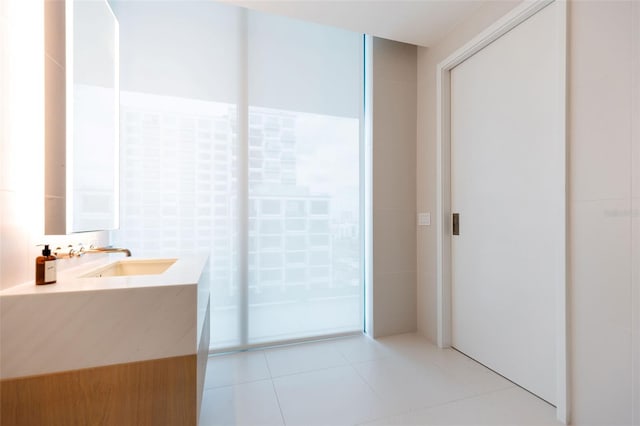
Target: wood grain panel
{"x": 156, "y": 392}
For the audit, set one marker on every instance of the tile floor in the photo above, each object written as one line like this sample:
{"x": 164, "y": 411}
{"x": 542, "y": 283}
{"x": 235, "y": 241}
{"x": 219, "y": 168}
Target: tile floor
{"x": 397, "y": 380}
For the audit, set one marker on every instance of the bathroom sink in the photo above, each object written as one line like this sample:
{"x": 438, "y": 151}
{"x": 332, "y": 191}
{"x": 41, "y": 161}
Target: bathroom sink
{"x": 131, "y": 267}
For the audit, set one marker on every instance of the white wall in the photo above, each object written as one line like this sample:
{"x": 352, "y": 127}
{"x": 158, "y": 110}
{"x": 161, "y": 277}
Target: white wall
{"x": 604, "y": 158}
{"x": 635, "y": 209}
{"x": 22, "y": 143}
{"x": 4, "y": 116}
{"x": 393, "y": 187}
{"x": 600, "y": 177}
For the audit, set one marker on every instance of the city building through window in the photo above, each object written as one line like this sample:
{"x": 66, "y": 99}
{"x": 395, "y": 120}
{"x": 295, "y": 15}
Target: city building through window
{"x": 262, "y": 172}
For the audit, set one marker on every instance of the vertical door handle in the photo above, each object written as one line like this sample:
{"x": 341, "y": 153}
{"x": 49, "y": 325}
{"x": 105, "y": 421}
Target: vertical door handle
{"x": 456, "y": 224}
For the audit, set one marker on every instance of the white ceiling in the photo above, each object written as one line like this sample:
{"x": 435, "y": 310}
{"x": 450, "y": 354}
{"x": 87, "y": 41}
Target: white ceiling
{"x": 420, "y": 22}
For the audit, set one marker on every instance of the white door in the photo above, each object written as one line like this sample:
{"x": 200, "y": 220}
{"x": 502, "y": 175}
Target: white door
{"x": 508, "y": 187}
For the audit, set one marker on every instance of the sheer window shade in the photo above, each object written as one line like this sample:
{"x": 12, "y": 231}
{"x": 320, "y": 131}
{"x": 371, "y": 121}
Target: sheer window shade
{"x": 214, "y": 96}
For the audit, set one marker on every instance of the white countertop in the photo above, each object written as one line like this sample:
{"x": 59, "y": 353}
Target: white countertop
{"x": 89, "y": 322}
{"x": 185, "y": 271}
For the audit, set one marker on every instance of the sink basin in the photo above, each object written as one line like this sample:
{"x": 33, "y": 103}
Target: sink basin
{"x": 132, "y": 267}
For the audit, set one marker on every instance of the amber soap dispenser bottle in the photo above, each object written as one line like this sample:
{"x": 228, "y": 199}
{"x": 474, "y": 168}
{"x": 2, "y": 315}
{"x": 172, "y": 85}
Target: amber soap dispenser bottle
{"x": 45, "y": 267}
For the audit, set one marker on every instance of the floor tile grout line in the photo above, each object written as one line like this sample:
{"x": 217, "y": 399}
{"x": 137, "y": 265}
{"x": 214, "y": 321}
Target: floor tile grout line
{"x": 275, "y": 391}
{"x": 266, "y": 362}
{"x": 241, "y": 382}
{"x": 442, "y": 404}
{"x": 345, "y": 362}
{"x": 245, "y": 382}
{"x": 437, "y": 367}
{"x": 399, "y": 412}
{"x": 366, "y": 381}
{"x": 437, "y": 405}
{"x": 441, "y": 367}
{"x": 273, "y": 386}
{"x": 310, "y": 371}
{"x": 363, "y": 361}
{"x": 490, "y": 372}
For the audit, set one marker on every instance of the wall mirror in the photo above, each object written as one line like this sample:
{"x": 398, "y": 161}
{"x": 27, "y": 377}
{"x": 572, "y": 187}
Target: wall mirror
{"x": 88, "y": 200}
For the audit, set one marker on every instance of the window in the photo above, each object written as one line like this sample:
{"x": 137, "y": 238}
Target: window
{"x": 285, "y": 178}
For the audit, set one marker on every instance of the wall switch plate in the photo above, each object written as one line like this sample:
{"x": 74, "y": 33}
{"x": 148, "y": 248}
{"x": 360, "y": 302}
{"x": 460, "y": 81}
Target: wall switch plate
{"x": 424, "y": 219}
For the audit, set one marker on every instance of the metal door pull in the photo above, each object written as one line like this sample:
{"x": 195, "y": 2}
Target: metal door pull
{"x": 456, "y": 224}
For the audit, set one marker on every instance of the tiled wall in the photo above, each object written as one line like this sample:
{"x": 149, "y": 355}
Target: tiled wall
{"x": 4, "y": 87}
{"x": 55, "y": 126}
{"x": 604, "y": 238}
{"x": 394, "y": 187}
{"x": 635, "y": 208}
{"x": 601, "y": 145}
{"x": 22, "y": 144}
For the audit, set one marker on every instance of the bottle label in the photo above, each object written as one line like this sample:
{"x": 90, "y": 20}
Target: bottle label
{"x": 50, "y": 271}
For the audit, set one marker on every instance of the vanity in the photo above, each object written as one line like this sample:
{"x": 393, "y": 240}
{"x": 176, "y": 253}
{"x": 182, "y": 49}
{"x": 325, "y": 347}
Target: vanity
{"x": 119, "y": 341}
{"x": 115, "y": 341}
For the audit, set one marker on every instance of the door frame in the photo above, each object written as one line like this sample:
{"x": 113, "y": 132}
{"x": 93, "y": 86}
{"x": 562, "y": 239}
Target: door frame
{"x": 443, "y": 183}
